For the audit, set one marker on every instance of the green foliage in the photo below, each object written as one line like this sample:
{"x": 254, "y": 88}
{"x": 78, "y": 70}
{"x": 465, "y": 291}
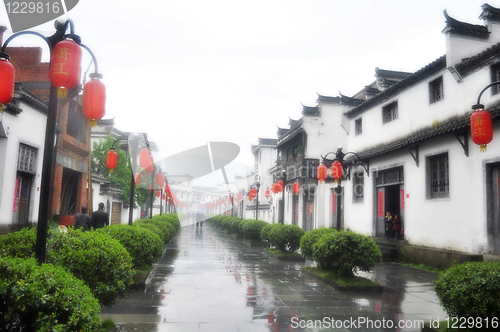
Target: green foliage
{"x": 19, "y": 244}
{"x": 143, "y": 245}
{"x": 252, "y": 229}
{"x": 99, "y": 260}
{"x": 264, "y": 233}
{"x": 171, "y": 218}
{"x": 346, "y": 252}
{"x": 471, "y": 289}
{"x": 121, "y": 175}
{"x": 164, "y": 227}
{"x": 240, "y": 226}
{"x": 44, "y": 298}
{"x": 235, "y": 223}
{"x": 285, "y": 237}
{"x": 310, "y": 238}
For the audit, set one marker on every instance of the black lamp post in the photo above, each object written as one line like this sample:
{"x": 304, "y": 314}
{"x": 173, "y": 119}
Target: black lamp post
{"x": 339, "y": 157}
{"x": 281, "y": 212}
{"x": 48, "y": 153}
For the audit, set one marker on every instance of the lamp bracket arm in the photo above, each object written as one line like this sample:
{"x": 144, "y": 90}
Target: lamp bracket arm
{"x": 478, "y": 104}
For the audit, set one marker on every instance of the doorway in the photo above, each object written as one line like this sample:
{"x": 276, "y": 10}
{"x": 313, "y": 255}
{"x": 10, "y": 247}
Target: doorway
{"x": 389, "y": 196}
{"x": 493, "y": 207}
{"x": 22, "y": 199}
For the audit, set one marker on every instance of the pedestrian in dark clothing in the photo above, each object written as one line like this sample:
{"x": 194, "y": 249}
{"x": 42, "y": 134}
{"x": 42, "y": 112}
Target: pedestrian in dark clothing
{"x": 388, "y": 225}
{"x": 100, "y": 218}
{"x": 396, "y": 226}
{"x": 82, "y": 220}
{"x": 200, "y": 216}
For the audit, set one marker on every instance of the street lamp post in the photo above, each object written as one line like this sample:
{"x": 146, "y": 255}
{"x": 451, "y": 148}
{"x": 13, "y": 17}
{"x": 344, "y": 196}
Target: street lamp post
{"x": 49, "y": 148}
{"x": 338, "y": 166}
{"x": 480, "y": 122}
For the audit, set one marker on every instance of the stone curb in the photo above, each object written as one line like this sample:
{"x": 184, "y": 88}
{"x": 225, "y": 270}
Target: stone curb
{"x": 348, "y": 289}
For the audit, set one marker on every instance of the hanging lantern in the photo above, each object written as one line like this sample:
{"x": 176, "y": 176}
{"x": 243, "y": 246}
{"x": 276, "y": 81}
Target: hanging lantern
{"x": 267, "y": 194}
{"x": 481, "y": 128}
{"x": 253, "y": 193}
{"x": 65, "y": 67}
{"x": 296, "y": 187}
{"x": 94, "y": 99}
{"x": 281, "y": 185}
{"x": 111, "y": 159}
{"x": 7, "y": 79}
{"x": 337, "y": 170}
{"x": 163, "y": 196}
{"x": 322, "y": 170}
{"x": 160, "y": 179}
{"x": 274, "y": 188}
{"x": 137, "y": 178}
{"x": 145, "y": 160}
{"x": 240, "y": 196}
{"x": 158, "y": 193}
{"x": 230, "y": 200}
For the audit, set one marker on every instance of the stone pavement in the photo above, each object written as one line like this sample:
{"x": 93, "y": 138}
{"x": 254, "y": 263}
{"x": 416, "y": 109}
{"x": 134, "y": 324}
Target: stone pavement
{"x": 210, "y": 281}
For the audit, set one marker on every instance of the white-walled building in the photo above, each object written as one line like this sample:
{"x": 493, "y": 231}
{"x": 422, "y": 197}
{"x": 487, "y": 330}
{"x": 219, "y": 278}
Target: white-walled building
{"x": 414, "y": 139}
{"x": 22, "y": 136}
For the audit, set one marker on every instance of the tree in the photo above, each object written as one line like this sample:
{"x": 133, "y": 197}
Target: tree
{"x": 121, "y": 175}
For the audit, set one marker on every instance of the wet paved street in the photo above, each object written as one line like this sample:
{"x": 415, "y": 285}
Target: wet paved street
{"x": 210, "y": 281}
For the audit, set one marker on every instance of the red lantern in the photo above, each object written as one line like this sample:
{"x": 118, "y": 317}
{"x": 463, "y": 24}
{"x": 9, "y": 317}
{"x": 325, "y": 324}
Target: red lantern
{"x": 274, "y": 188}
{"x": 267, "y": 193}
{"x": 163, "y": 196}
{"x": 160, "y": 179}
{"x": 337, "y": 171}
{"x": 322, "y": 170}
{"x": 281, "y": 185}
{"x": 111, "y": 159}
{"x": 94, "y": 99}
{"x": 230, "y": 199}
{"x": 7, "y": 79}
{"x": 296, "y": 187}
{"x": 481, "y": 128}
{"x": 240, "y": 196}
{"x": 158, "y": 193}
{"x": 65, "y": 67}
{"x": 137, "y": 178}
{"x": 145, "y": 160}
{"x": 252, "y": 193}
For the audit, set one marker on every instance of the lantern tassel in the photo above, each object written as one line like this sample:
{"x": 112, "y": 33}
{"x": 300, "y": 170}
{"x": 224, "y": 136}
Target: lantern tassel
{"x": 62, "y": 93}
{"x": 1, "y": 107}
{"x": 482, "y": 148}
{"x": 110, "y": 171}
{"x": 92, "y": 123}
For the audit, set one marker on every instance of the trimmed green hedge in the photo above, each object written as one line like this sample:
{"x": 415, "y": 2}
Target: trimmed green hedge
{"x": 285, "y": 237}
{"x": 19, "y": 244}
{"x": 346, "y": 252}
{"x": 143, "y": 245}
{"x": 470, "y": 289}
{"x": 252, "y": 228}
{"x": 100, "y": 261}
{"x": 310, "y": 238}
{"x": 44, "y": 298}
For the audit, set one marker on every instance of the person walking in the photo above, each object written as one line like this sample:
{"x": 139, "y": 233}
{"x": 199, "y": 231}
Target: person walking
{"x": 100, "y": 218}
{"x": 82, "y": 220}
{"x": 200, "y": 215}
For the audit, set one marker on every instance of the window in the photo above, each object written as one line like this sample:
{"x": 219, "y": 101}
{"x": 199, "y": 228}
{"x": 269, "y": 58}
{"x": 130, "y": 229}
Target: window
{"x": 390, "y": 112}
{"x": 495, "y": 76}
{"x": 358, "y": 187}
{"x": 436, "y": 90}
{"x": 26, "y": 160}
{"x": 358, "y": 126}
{"x": 438, "y": 175}
{"x": 77, "y": 123}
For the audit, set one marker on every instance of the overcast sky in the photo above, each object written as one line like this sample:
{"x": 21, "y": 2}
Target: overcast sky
{"x": 191, "y": 72}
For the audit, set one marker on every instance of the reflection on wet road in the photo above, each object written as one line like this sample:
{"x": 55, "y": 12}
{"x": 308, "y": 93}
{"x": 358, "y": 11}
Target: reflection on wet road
{"x": 210, "y": 281}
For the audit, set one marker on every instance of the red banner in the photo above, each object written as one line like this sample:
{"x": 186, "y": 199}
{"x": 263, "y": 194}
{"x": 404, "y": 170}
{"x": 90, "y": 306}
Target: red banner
{"x": 402, "y": 199}
{"x": 381, "y": 204}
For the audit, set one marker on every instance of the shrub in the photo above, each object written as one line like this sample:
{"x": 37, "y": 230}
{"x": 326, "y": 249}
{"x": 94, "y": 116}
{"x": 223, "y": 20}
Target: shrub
{"x": 94, "y": 257}
{"x": 235, "y": 223}
{"x": 346, "y": 252}
{"x": 310, "y": 238}
{"x": 264, "y": 233}
{"x": 164, "y": 227}
{"x": 252, "y": 229}
{"x": 226, "y": 223}
{"x": 240, "y": 226}
{"x": 285, "y": 237}
{"x": 44, "y": 298}
{"x": 19, "y": 244}
{"x": 170, "y": 218}
{"x": 143, "y": 245}
{"x": 471, "y": 289}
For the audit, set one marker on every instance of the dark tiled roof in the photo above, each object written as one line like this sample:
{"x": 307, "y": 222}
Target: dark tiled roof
{"x": 452, "y": 125}
{"x": 408, "y": 81}
{"x": 310, "y": 110}
{"x": 453, "y": 25}
{"x": 490, "y": 13}
{"x": 267, "y": 141}
{"x": 479, "y": 61}
{"x": 342, "y": 100}
{"x": 390, "y": 74}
